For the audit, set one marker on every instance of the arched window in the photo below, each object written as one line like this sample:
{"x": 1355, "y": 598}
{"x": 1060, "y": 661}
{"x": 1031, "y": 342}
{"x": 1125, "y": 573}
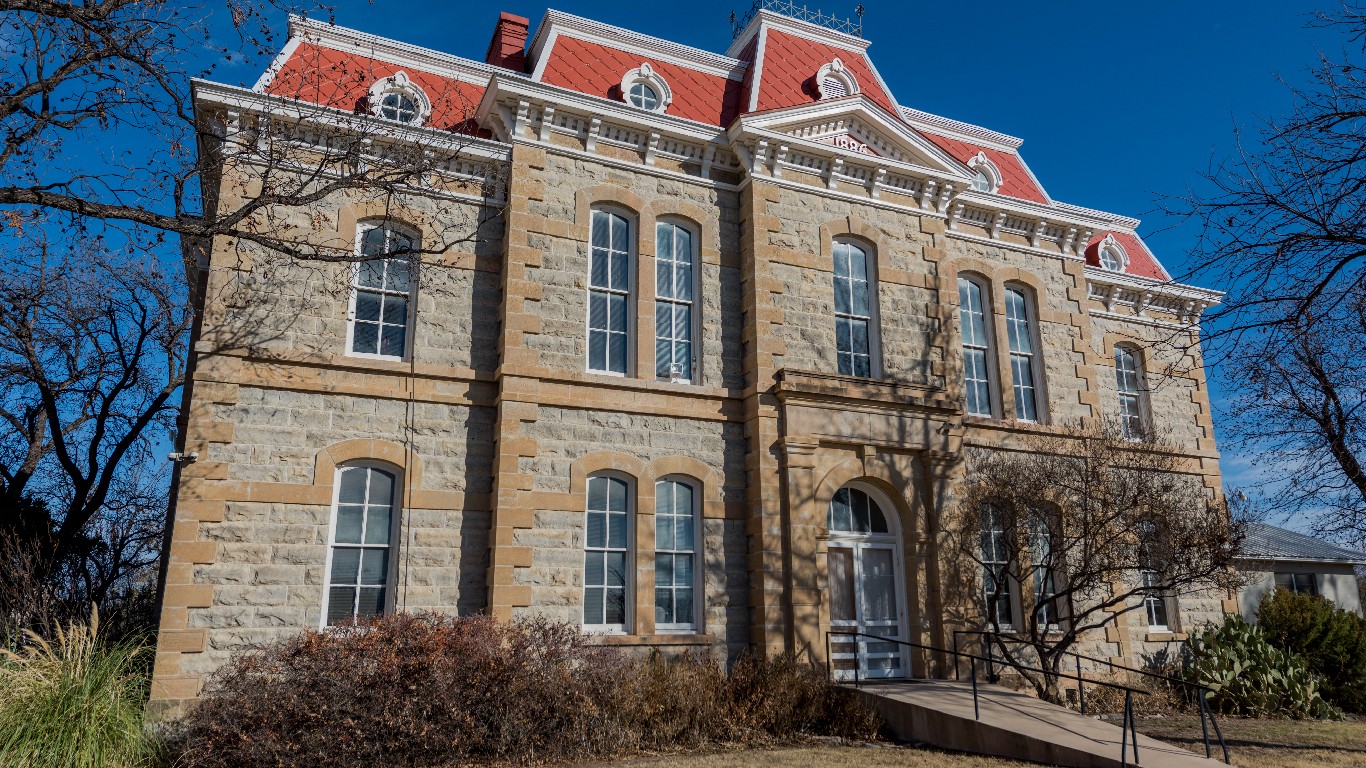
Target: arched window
{"x": 399, "y": 99}
{"x": 382, "y": 286}
{"x": 607, "y": 554}
{"x": 1043, "y": 538}
{"x": 981, "y": 182}
{"x": 972, "y": 318}
{"x": 996, "y": 581}
{"x": 1133, "y": 418}
{"x": 675, "y": 289}
{"x": 609, "y": 293}
{"x": 853, "y": 311}
{"x": 986, "y": 177}
{"x": 1111, "y": 254}
{"x": 1157, "y": 602}
{"x": 644, "y": 88}
{"x": 853, "y": 511}
{"x": 359, "y": 563}
{"x": 1023, "y": 372}
{"x": 676, "y": 536}
{"x": 834, "y": 80}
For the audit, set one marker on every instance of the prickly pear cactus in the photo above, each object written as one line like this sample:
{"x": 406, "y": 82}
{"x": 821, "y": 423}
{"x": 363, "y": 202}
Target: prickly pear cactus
{"x": 1246, "y": 675}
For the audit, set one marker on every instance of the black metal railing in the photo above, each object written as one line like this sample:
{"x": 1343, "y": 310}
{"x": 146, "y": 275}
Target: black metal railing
{"x": 801, "y": 13}
{"x": 1207, "y": 718}
{"x": 1128, "y": 729}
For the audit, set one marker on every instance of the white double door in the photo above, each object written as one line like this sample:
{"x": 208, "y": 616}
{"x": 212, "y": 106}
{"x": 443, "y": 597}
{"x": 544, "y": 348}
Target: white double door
{"x": 865, "y": 596}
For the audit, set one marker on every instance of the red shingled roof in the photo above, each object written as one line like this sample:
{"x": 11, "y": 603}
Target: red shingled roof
{"x": 790, "y": 63}
{"x": 342, "y": 80}
{"x": 1141, "y": 260}
{"x": 1015, "y": 180}
{"x": 597, "y": 70}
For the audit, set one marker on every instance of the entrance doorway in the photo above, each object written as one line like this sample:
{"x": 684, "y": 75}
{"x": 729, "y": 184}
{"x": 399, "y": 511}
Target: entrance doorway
{"x": 866, "y": 577}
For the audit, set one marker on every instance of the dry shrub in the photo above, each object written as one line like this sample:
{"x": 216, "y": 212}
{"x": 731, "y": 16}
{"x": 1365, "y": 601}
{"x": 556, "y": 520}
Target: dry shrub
{"x": 426, "y": 691}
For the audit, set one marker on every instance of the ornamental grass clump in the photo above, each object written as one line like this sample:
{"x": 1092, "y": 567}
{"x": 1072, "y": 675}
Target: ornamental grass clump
{"x": 74, "y": 702}
{"x": 427, "y": 690}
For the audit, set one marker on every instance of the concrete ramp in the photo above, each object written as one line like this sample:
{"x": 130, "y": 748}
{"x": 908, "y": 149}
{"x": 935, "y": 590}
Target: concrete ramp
{"x": 1014, "y": 725}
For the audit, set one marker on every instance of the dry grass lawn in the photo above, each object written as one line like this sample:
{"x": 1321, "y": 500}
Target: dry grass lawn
{"x": 872, "y": 756}
{"x": 1272, "y": 743}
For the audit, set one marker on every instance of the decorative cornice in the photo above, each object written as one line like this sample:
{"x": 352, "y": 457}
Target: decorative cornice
{"x": 403, "y": 54}
{"x": 937, "y": 124}
{"x": 633, "y": 42}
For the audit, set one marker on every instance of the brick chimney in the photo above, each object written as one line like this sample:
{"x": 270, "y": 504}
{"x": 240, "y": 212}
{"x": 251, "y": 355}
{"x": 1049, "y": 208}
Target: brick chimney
{"x": 507, "y": 49}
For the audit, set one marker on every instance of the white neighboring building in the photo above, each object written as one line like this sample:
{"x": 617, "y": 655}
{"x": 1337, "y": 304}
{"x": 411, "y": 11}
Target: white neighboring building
{"x": 1278, "y": 557}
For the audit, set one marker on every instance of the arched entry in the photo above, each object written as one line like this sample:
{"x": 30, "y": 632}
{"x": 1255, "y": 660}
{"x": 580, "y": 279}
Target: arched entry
{"x": 866, "y": 574}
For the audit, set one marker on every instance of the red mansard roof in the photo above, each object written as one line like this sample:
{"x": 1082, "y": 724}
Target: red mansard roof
{"x": 597, "y": 69}
{"x": 342, "y": 80}
{"x": 790, "y": 62}
{"x": 1141, "y": 260}
{"x": 1015, "y": 180}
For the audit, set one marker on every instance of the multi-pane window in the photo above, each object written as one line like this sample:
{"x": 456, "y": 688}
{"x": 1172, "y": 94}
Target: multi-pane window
{"x": 1129, "y": 382}
{"x": 996, "y": 568}
{"x": 1111, "y": 260}
{"x": 981, "y": 182}
{"x": 606, "y": 554}
{"x": 674, "y": 297}
{"x": 976, "y": 346}
{"x": 381, "y": 291}
{"x": 1041, "y": 539}
{"x": 1021, "y": 334}
{"x": 1154, "y": 601}
{"x": 397, "y": 106}
{"x": 675, "y": 555}
{"x": 643, "y": 96}
{"x": 853, "y": 318}
{"x": 362, "y": 532}
{"x": 1303, "y": 583}
{"x": 609, "y": 293}
{"x": 853, "y": 511}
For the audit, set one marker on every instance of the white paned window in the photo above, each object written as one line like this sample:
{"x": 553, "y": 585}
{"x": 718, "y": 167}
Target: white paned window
{"x": 1041, "y": 535}
{"x": 607, "y": 554}
{"x": 1021, "y": 333}
{"x": 1154, "y": 602}
{"x": 996, "y": 582}
{"x": 397, "y": 106}
{"x": 853, "y": 312}
{"x": 358, "y": 580}
{"x": 1111, "y": 260}
{"x": 381, "y": 292}
{"x": 643, "y": 96}
{"x": 1129, "y": 382}
{"x": 674, "y": 302}
{"x": 976, "y": 346}
{"x": 981, "y": 182}
{"x": 675, "y": 556}
{"x": 853, "y": 511}
{"x": 609, "y": 293}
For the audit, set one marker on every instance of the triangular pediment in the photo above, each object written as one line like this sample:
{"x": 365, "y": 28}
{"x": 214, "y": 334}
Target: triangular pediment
{"x": 853, "y": 125}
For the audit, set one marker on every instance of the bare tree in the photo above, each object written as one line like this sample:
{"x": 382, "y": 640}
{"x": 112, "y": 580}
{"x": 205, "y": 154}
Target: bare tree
{"x": 1076, "y": 528}
{"x": 92, "y": 355}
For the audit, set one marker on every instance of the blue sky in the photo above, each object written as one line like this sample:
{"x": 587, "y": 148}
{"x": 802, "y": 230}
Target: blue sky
{"x": 1117, "y": 103}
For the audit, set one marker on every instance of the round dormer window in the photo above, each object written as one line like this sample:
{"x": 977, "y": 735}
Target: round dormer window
{"x": 644, "y": 96}
{"x": 643, "y": 88}
{"x": 981, "y": 182}
{"x": 399, "y": 99}
{"x": 1111, "y": 260}
{"x": 397, "y": 106}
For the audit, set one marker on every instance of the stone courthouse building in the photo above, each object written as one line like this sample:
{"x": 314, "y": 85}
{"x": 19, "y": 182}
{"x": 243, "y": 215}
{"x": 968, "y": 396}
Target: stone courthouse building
{"x": 697, "y": 368}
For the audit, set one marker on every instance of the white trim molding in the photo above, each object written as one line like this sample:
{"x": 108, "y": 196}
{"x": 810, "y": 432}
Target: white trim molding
{"x": 1113, "y": 246}
{"x": 981, "y": 164}
{"x": 836, "y": 70}
{"x": 401, "y": 84}
{"x": 646, "y": 74}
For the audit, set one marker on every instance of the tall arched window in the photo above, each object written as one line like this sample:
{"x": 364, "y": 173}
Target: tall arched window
{"x": 609, "y": 293}
{"x": 676, "y": 569}
{"x": 972, "y": 318}
{"x": 1129, "y": 381}
{"x": 675, "y": 290}
{"x": 381, "y": 288}
{"x": 996, "y": 581}
{"x": 607, "y": 554}
{"x": 1043, "y": 537}
{"x": 358, "y": 565}
{"x": 1020, "y": 329}
{"x": 853, "y": 311}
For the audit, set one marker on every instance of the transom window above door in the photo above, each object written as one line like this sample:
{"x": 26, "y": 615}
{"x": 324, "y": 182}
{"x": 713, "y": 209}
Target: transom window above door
{"x": 853, "y": 511}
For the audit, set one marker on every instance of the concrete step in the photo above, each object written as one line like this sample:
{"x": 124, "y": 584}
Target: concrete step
{"x": 1013, "y": 725}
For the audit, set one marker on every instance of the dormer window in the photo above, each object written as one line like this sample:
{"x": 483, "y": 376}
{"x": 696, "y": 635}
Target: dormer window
{"x": 1112, "y": 255}
{"x": 399, "y": 99}
{"x": 834, "y": 80}
{"x": 986, "y": 176}
{"x": 643, "y": 88}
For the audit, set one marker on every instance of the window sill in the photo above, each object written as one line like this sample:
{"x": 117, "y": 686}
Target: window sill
{"x": 1163, "y": 636}
{"x": 652, "y": 640}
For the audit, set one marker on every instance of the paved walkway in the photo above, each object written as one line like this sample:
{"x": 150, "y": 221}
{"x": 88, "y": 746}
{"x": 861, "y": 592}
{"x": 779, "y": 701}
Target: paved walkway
{"x": 1015, "y": 725}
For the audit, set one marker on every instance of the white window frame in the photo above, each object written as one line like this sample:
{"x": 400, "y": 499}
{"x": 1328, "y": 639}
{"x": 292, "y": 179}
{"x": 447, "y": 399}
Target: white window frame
{"x": 984, "y": 171}
{"x": 1011, "y": 596}
{"x": 400, "y": 83}
{"x": 629, "y": 294}
{"x": 986, "y": 346}
{"x": 1030, "y": 334}
{"x": 870, "y": 280}
{"x": 693, "y": 369}
{"x": 356, "y": 288}
{"x": 1117, "y": 255}
{"x": 1042, "y": 570}
{"x": 629, "y": 580}
{"x": 646, "y": 75}
{"x": 396, "y": 514}
{"x": 694, "y": 624}
{"x": 1138, "y": 397}
{"x": 1154, "y": 598}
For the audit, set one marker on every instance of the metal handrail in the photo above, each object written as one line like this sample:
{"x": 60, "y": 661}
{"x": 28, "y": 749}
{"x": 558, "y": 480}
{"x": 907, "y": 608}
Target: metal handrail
{"x": 1129, "y": 726}
{"x": 1205, "y": 711}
